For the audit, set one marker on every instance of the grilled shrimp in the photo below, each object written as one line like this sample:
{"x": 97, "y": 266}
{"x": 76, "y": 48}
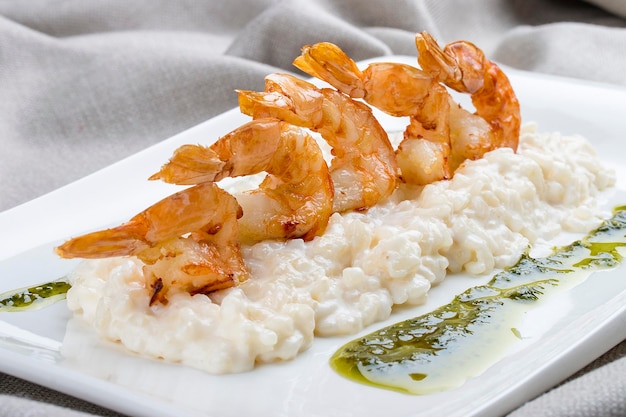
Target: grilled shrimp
{"x": 441, "y": 134}
{"x": 462, "y": 66}
{"x": 399, "y": 90}
{"x": 295, "y": 198}
{"x": 188, "y": 241}
{"x": 364, "y": 168}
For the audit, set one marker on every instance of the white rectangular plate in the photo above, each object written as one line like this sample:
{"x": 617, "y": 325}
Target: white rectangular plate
{"x": 50, "y": 348}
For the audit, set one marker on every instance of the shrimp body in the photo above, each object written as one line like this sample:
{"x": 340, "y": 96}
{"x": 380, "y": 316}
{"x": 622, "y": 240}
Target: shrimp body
{"x": 364, "y": 167}
{"x": 462, "y": 66}
{"x": 399, "y": 90}
{"x": 295, "y": 198}
{"x": 440, "y": 135}
{"x": 189, "y": 242}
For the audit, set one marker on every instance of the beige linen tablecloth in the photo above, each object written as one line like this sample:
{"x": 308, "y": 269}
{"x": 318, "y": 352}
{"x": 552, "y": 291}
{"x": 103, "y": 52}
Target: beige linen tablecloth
{"x": 86, "y": 83}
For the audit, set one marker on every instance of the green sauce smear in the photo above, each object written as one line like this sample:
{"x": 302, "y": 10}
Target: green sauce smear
{"x": 442, "y": 349}
{"x": 35, "y": 297}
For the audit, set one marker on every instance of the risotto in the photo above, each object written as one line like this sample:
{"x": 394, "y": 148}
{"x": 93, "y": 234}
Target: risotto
{"x": 363, "y": 265}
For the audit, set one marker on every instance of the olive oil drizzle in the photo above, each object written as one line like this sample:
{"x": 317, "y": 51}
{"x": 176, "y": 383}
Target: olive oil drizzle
{"x": 34, "y": 297}
{"x": 442, "y": 349}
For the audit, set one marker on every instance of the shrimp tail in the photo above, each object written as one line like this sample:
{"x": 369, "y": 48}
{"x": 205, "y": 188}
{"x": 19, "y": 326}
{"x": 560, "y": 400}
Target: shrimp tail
{"x": 328, "y": 62}
{"x": 271, "y": 104}
{"x": 440, "y": 65}
{"x": 190, "y": 164}
{"x": 126, "y": 239}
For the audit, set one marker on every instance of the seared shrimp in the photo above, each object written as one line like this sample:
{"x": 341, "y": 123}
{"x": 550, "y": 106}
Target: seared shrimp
{"x": 400, "y": 90}
{"x": 295, "y": 198}
{"x": 189, "y": 242}
{"x": 462, "y": 66}
{"x": 364, "y": 168}
{"x": 441, "y": 134}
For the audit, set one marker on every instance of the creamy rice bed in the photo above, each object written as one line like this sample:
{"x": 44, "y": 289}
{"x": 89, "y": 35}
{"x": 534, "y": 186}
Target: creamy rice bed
{"x": 364, "y": 263}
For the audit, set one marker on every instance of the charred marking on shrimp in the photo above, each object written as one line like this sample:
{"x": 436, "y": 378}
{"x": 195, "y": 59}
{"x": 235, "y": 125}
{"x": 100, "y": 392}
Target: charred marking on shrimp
{"x": 157, "y": 287}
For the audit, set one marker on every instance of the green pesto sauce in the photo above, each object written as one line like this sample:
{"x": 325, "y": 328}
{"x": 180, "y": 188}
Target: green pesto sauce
{"x": 33, "y": 298}
{"x": 442, "y": 349}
